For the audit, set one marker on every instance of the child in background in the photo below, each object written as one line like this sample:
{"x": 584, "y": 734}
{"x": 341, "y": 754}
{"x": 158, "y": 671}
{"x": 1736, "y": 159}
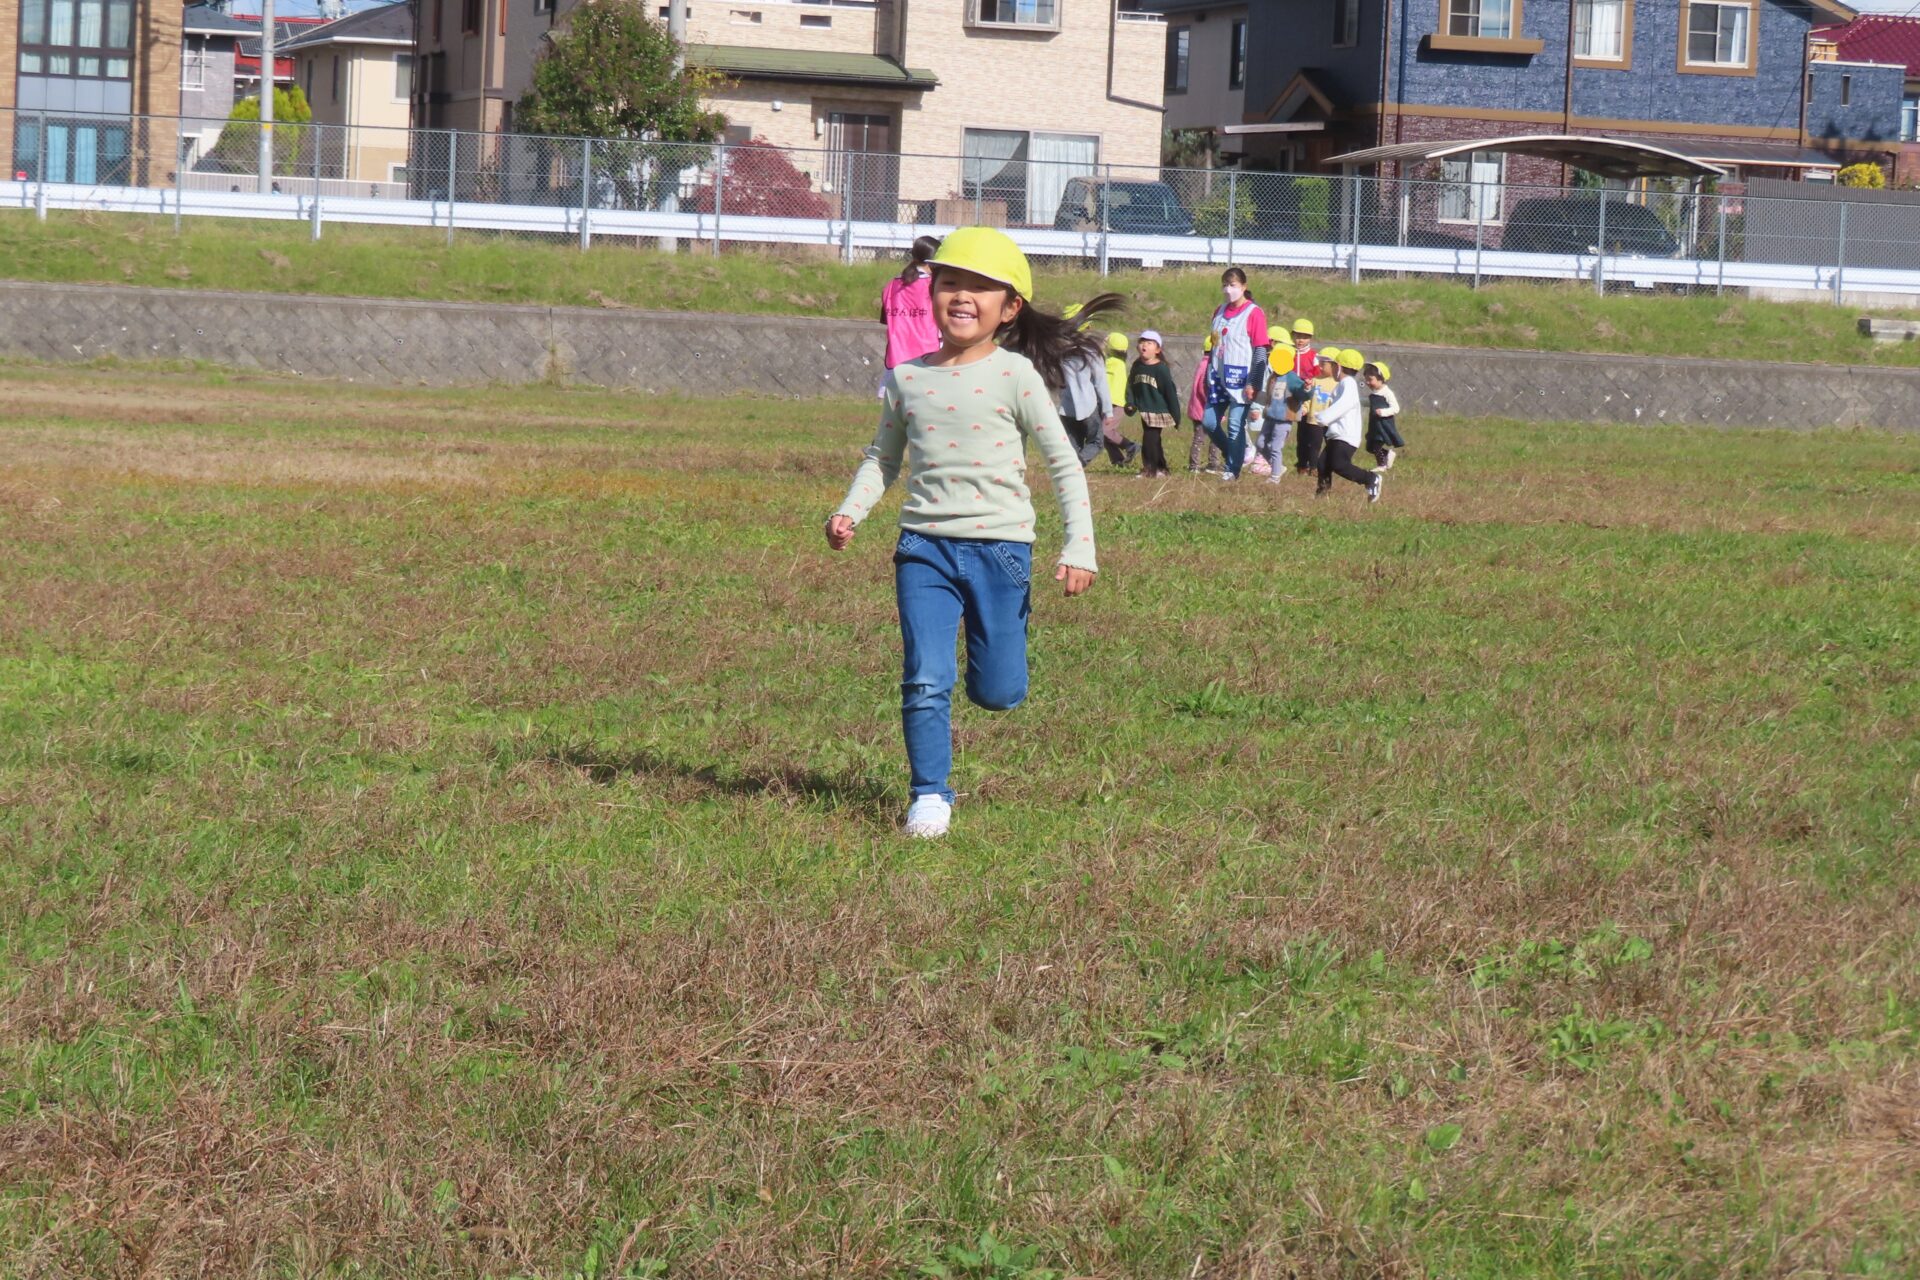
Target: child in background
{"x": 1203, "y": 456}
{"x": 1341, "y": 417}
{"x": 1309, "y": 441}
{"x": 1111, "y": 436}
{"x": 1153, "y": 393}
{"x": 1306, "y": 370}
{"x": 960, "y": 420}
{"x": 1383, "y": 416}
{"x": 906, "y": 308}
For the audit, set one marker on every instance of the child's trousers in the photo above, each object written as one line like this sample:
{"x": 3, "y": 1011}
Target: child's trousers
{"x": 1226, "y": 426}
{"x": 1309, "y": 443}
{"x": 943, "y": 585}
{"x": 1202, "y": 452}
{"x": 1336, "y": 459}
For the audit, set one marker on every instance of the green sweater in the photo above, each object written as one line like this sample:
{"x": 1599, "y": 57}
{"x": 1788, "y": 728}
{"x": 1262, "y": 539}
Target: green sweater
{"x": 962, "y": 433}
{"x": 1152, "y": 389}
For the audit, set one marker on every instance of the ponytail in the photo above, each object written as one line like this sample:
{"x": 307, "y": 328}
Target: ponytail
{"x": 1051, "y": 342}
{"x": 923, "y": 248}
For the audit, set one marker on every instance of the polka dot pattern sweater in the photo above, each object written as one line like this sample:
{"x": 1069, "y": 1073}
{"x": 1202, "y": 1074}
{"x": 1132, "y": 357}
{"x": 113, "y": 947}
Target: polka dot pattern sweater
{"x": 962, "y": 433}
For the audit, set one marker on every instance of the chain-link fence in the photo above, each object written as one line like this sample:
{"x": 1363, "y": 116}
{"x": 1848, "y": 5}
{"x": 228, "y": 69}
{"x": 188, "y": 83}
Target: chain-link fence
{"x": 1067, "y": 207}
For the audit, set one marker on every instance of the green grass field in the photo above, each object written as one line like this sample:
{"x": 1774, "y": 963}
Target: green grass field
{"x": 451, "y": 834}
{"x": 402, "y": 263}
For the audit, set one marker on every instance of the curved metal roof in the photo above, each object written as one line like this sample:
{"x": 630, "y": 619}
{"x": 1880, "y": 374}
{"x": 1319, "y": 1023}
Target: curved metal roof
{"x": 1608, "y": 157}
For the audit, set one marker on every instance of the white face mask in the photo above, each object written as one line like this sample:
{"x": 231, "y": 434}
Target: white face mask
{"x": 1232, "y": 292}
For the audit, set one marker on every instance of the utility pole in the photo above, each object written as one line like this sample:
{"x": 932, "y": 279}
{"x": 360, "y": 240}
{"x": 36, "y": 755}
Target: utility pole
{"x": 266, "y": 97}
{"x": 677, "y": 28}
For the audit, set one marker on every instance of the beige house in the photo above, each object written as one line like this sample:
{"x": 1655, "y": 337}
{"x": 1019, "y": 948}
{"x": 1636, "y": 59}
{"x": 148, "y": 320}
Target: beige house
{"x": 1205, "y": 72}
{"x": 358, "y": 72}
{"x": 925, "y": 109}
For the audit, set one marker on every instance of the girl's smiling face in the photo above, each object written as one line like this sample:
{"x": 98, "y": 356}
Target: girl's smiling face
{"x": 969, "y": 309}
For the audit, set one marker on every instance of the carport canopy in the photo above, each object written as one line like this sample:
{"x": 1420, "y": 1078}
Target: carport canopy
{"x": 1608, "y": 157}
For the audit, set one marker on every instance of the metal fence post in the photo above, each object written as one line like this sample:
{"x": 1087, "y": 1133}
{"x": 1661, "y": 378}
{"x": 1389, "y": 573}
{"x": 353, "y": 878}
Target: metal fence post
{"x": 40, "y": 170}
{"x": 1479, "y": 228}
{"x": 1106, "y": 209}
{"x": 453, "y": 175}
{"x": 179, "y": 179}
{"x": 846, "y": 241}
{"x": 719, "y": 195}
{"x": 1600, "y": 249}
{"x": 1233, "y": 212}
{"x": 586, "y": 193}
{"x": 1720, "y": 279}
{"x": 1353, "y": 259}
{"x": 1840, "y": 260}
{"x": 319, "y": 139}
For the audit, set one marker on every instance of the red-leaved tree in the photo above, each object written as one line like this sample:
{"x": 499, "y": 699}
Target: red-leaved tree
{"x": 761, "y": 182}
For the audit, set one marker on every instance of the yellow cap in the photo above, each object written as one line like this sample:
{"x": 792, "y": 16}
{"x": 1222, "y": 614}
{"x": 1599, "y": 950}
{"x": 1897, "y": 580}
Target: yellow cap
{"x": 1330, "y": 355}
{"x": 1352, "y": 361}
{"x": 988, "y": 252}
{"x": 1118, "y": 342}
{"x": 1303, "y": 326}
{"x": 1380, "y": 367}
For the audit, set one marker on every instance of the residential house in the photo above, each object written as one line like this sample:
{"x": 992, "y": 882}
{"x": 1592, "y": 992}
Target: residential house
{"x": 246, "y": 65}
{"x": 76, "y": 76}
{"x": 1727, "y": 82}
{"x": 358, "y": 73}
{"x": 210, "y": 42}
{"x": 1205, "y": 72}
{"x": 1878, "y": 40}
{"x": 887, "y": 96}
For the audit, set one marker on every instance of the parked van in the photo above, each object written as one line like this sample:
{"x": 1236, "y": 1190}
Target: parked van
{"x": 1571, "y": 224}
{"x": 1133, "y": 208}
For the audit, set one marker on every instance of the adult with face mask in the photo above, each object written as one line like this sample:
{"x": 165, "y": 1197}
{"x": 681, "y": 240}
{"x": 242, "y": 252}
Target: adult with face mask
{"x": 1236, "y": 368}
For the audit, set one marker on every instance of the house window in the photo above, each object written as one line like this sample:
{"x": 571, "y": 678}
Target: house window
{"x": 1025, "y": 174}
{"x": 1179, "y": 43}
{"x": 1014, "y": 13}
{"x": 193, "y": 63}
{"x": 815, "y": 20}
{"x": 744, "y": 17}
{"x": 1846, "y": 91}
{"x": 336, "y": 77}
{"x": 1600, "y": 30}
{"x": 1237, "y": 57}
{"x": 73, "y": 150}
{"x": 1910, "y": 119}
{"x": 1346, "y": 23}
{"x": 402, "y": 77}
{"x": 1473, "y": 187}
{"x": 307, "y": 88}
{"x": 543, "y": 6}
{"x": 77, "y": 39}
{"x": 1480, "y": 19}
{"x": 470, "y": 17}
{"x": 1718, "y": 35}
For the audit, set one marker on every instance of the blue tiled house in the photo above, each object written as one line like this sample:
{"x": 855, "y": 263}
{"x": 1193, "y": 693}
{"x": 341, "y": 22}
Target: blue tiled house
{"x": 1720, "y": 80}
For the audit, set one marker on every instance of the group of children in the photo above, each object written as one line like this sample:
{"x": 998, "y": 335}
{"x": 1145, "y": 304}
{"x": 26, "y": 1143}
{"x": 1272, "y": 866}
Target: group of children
{"x": 1245, "y": 401}
{"x": 956, "y": 421}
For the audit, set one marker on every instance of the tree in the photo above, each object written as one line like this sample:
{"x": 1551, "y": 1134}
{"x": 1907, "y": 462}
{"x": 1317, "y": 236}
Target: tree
{"x": 762, "y": 182}
{"x": 610, "y": 74}
{"x": 1864, "y": 174}
{"x": 237, "y": 150}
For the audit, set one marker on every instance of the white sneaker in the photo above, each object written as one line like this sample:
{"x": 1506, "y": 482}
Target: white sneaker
{"x": 928, "y": 817}
{"x": 1388, "y": 464}
{"x": 1373, "y": 486}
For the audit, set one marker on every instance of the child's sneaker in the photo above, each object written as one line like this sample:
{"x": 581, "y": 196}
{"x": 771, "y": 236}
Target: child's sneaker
{"x": 928, "y": 817}
{"x": 1373, "y": 486}
{"x": 1391, "y": 455}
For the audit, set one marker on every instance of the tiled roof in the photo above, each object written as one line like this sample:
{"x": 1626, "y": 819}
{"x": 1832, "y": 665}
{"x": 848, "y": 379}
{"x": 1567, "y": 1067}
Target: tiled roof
{"x": 808, "y": 64}
{"x": 1877, "y": 37}
{"x": 205, "y": 20}
{"x": 382, "y": 24}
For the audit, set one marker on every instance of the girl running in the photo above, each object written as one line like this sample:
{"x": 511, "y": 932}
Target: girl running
{"x": 907, "y": 309}
{"x": 1236, "y": 370}
{"x": 1384, "y": 441}
{"x": 960, "y": 419}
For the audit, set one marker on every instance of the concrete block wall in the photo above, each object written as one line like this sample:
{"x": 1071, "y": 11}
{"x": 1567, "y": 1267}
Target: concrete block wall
{"x": 444, "y": 344}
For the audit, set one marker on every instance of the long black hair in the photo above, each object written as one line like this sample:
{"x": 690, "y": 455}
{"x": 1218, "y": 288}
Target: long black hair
{"x": 1051, "y": 341}
{"x": 923, "y": 248}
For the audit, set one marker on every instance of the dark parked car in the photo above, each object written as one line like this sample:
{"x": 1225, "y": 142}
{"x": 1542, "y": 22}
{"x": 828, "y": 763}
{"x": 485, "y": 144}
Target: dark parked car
{"x": 1135, "y": 208}
{"x": 1571, "y": 224}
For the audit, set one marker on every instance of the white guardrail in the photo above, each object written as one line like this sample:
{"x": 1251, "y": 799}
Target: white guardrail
{"x": 889, "y": 237}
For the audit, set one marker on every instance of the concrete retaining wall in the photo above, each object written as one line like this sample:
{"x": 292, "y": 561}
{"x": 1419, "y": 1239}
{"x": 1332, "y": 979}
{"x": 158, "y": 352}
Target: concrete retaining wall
{"x": 448, "y": 344}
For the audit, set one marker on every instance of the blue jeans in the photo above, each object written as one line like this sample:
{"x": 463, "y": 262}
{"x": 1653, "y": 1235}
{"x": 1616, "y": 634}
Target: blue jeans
{"x": 942, "y": 583}
{"x": 1226, "y": 425}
